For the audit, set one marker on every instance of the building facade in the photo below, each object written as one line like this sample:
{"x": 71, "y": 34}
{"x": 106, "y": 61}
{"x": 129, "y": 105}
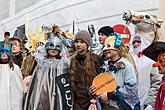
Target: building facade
{"x": 16, "y": 13}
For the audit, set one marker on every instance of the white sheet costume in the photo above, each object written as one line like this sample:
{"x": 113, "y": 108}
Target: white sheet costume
{"x": 11, "y": 93}
{"x": 148, "y": 77}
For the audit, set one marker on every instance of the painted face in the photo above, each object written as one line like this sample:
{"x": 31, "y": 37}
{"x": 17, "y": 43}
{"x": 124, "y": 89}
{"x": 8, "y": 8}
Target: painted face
{"x": 15, "y": 47}
{"x": 80, "y": 46}
{"x": 102, "y": 38}
{"x": 162, "y": 70}
{"x": 110, "y": 53}
{"x": 53, "y": 52}
{"x": 162, "y": 62}
{"x": 136, "y": 44}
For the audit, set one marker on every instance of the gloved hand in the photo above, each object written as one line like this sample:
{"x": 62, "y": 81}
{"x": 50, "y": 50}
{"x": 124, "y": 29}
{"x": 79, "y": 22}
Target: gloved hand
{"x": 111, "y": 95}
{"x": 103, "y": 96}
{"x": 107, "y": 96}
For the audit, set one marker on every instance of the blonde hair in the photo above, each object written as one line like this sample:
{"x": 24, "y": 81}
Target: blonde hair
{"x": 125, "y": 53}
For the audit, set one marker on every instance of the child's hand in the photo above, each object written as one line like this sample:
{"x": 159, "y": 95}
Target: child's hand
{"x": 92, "y": 90}
{"x": 93, "y": 105}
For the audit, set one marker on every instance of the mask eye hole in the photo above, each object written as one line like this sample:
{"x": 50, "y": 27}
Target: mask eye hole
{"x": 58, "y": 46}
{"x": 51, "y": 44}
{"x": 7, "y": 51}
{"x": 108, "y": 45}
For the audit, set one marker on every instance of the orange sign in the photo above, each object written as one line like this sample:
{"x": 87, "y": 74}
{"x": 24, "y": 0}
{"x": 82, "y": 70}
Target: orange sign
{"x": 104, "y": 82}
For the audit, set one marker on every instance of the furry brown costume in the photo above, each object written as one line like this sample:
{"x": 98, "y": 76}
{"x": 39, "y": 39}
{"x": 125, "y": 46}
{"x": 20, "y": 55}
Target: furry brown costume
{"x": 28, "y": 65}
{"x": 83, "y": 69}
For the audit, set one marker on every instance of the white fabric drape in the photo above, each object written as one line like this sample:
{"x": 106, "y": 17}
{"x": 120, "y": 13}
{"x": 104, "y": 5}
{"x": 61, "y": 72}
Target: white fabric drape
{"x": 11, "y": 92}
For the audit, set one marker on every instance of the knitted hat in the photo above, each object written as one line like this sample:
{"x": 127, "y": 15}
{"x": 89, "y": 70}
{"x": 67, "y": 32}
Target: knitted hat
{"x": 85, "y": 36}
{"x": 107, "y": 30}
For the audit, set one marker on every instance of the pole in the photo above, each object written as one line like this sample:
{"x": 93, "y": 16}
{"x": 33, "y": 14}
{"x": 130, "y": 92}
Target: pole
{"x": 162, "y": 16}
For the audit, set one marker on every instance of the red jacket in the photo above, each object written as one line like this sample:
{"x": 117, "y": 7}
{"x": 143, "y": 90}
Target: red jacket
{"x": 160, "y": 99}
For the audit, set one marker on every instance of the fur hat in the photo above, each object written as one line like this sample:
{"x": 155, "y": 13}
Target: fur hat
{"x": 85, "y": 36}
{"x": 107, "y": 30}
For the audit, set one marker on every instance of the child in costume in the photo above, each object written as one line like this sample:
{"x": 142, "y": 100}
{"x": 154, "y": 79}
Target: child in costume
{"x": 125, "y": 97}
{"x": 84, "y": 66}
{"x": 11, "y": 92}
{"x": 49, "y": 88}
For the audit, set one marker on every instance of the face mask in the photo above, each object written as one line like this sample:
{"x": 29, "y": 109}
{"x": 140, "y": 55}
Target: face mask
{"x": 5, "y": 50}
{"x": 5, "y": 47}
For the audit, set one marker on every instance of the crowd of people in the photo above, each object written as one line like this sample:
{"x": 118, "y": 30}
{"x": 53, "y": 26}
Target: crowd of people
{"x": 58, "y": 74}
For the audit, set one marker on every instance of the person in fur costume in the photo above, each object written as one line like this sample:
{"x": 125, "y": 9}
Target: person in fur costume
{"x": 10, "y": 80}
{"x": 84, "y": 66}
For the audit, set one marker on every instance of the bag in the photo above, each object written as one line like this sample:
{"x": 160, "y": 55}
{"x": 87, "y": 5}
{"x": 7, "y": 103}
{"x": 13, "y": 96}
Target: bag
{"x": 122, "y": 104}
